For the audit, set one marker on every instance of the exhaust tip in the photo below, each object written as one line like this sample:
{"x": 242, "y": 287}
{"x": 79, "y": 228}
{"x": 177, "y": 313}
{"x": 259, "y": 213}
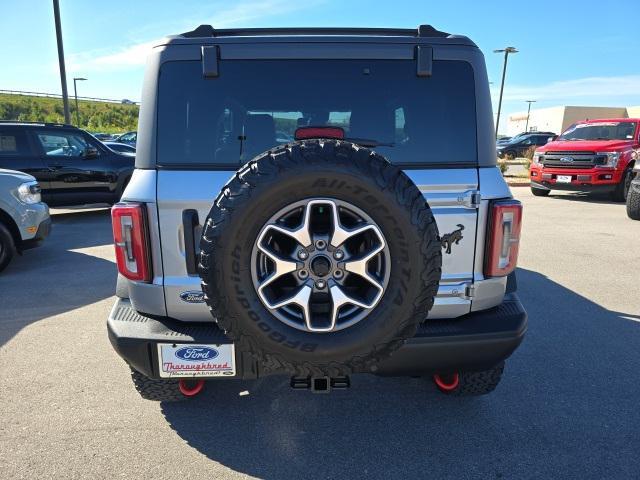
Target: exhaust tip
{"x": 447, "y": 383}
{"x": 189, "y": 389}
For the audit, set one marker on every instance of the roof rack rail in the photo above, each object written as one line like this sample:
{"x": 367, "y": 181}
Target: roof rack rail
{"x": 46, "y": 124}
{"x": 209, "y": 31}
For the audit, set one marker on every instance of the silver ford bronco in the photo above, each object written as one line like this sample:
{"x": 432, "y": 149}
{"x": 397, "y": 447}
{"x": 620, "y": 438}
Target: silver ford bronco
{"x": 316, "y": 203}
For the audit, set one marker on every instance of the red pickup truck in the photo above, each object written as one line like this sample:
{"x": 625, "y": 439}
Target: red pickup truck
{"x": 593, "y": 155}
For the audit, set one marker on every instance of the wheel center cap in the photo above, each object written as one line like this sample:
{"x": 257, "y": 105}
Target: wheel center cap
{"x": 321, "y": 266}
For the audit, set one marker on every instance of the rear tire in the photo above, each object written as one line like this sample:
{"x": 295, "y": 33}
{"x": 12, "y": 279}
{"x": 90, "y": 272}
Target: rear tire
{"x": 156, "y": 390}
{"x": 540, "y": 192}
{"x": 633, "y": 203}
{"x": 7, "y": 247}
{"x": 476, "y": 383}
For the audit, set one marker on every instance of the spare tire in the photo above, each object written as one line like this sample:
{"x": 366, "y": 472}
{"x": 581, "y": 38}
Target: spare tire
{"x": 320, "y": 258}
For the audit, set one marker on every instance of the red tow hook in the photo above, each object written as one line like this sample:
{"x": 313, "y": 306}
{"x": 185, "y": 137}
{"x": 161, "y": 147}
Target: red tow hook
{"x": 193, "y": 391}
{"x": 451, "y": 383}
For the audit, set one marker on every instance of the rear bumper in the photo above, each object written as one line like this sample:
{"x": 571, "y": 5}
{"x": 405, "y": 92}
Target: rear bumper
{"x": 476, "y": 341}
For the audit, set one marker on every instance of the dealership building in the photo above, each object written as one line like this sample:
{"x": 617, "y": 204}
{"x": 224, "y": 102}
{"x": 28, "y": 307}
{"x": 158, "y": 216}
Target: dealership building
{"x": 557, "y": 119}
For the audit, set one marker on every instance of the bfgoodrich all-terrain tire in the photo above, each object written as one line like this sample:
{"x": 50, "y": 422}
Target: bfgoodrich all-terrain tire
{"x": 469, "y": 384}
{"x": 156, "y": 390}
{"x": 323, "y": 175}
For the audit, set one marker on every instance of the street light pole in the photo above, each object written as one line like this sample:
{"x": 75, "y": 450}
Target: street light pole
{"x": 63, "y": 73}
{"x": 526, "y": 127}
{"x": 506, "y": 52}
{"x": 75, "y": 93}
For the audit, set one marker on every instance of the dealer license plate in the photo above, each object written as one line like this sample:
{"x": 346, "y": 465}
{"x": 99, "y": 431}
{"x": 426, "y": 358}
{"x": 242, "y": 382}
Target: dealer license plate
{"x": 563, "y": 179}
{"x": 194, "y": 360}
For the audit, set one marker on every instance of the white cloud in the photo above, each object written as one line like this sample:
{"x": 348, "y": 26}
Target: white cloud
{"x": 583, "y": 88}
{"x": 134, "y": 56}
{"x": 131, "y": 56}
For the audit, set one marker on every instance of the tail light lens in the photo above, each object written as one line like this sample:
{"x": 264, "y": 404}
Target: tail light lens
{"x": 130, "y": 239}
{"x": 503, "y": 241}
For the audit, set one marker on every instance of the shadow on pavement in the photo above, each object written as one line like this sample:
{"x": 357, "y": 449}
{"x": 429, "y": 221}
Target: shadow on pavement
{"x": 567, "y": 407}
{"x": 53, "y": 278}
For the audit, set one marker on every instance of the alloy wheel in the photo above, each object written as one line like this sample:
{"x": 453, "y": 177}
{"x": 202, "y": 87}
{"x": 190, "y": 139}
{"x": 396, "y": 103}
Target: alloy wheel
{"x": 320, "y": 265}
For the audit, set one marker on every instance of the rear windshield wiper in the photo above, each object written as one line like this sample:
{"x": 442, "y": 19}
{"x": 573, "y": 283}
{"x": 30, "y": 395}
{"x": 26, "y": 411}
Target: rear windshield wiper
{"x": 367, "y": 142}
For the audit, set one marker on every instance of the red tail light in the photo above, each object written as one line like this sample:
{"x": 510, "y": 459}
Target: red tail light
{"x": 319, "y": 132}
{"x": 130, "y": 239}
{"x": 503, "y": 240}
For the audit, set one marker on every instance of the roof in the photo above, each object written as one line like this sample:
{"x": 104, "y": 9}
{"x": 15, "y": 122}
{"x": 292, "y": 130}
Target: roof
{"x": 36, "y": 124}
{"x": 598, "y": 120}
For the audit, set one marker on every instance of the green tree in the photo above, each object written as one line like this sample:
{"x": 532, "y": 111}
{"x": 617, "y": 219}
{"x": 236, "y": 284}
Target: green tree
{"x": 94, "y": 116}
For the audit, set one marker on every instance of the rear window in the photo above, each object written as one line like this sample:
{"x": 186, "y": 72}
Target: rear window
{"x": 255, "y": 105}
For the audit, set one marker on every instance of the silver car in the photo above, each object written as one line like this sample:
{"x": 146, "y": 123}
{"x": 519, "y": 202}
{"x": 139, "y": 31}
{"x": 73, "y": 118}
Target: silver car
{"x": 24, "y": 219}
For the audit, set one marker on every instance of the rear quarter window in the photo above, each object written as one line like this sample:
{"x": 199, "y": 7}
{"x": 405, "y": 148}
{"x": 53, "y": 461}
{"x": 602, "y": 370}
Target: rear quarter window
{"x": 254, "y": 105}
{"x": 13, "y": 143}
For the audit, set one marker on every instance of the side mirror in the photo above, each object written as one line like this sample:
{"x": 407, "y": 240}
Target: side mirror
{"x": 90, "y": 152}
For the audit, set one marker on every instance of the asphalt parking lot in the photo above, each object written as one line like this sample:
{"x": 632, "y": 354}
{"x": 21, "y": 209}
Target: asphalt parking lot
{"x": 567, "y": 408}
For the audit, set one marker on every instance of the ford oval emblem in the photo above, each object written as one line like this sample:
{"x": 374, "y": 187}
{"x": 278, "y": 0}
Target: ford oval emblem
{"x": 196, "y": 354}
{"x": 193, "y": 296}
{"x": 566, "y": 160}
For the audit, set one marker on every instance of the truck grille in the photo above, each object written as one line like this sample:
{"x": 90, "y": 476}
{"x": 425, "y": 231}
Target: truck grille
{"x": 572, "y": 159}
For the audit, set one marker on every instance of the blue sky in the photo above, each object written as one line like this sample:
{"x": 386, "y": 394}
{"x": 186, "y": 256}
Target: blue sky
{"x": 576, "y": 52}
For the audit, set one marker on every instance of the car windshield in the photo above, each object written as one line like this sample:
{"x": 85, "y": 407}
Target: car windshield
{"x": 255, "y": 105}
{"x": 600, "y": 131}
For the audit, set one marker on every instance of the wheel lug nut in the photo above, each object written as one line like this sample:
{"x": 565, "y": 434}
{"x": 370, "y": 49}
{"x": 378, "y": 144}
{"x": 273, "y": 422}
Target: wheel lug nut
{"x": 337, "y": 274}
{"x": 303, "y": 274}
{"x": 338, "y": 255}
{"x": 321, "y": 244}
{"x": 303, "y": 254}
{"x": 321, "y": 284}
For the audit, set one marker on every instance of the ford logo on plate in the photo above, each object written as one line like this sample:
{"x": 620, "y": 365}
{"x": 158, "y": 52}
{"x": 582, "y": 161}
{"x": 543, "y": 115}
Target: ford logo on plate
{"x": 196, "y": 354}
{"x": 566, "y": 160}
{"x": 193, "y": 296}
